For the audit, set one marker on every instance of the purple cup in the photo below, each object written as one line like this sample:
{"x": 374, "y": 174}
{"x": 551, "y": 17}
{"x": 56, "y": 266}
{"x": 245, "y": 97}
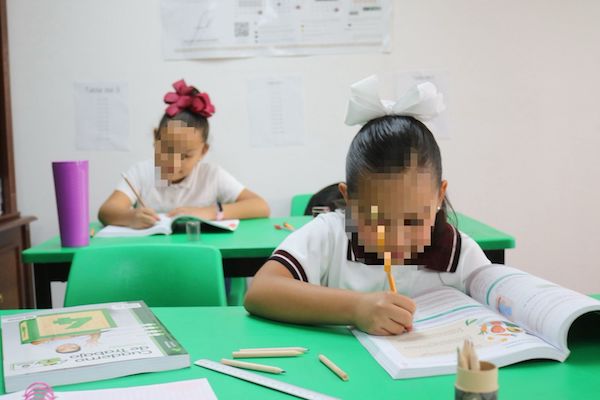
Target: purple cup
{"x": 71, "y": 188}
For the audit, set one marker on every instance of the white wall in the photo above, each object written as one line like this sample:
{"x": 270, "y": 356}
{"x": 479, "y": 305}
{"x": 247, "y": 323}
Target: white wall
{"x": 523, "y": 88}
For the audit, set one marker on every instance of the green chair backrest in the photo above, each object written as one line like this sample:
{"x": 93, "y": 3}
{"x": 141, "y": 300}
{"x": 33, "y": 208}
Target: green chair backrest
{"x": 299, "y": 203}
{"x": 162, "y": 275}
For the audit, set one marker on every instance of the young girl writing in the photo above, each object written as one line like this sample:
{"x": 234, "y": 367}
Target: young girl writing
{"x": 177, "y": 181}
{"x": 331, "y": 270}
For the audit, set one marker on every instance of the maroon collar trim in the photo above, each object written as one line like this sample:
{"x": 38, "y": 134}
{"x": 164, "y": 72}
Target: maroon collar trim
{"x": 442, "y": 255}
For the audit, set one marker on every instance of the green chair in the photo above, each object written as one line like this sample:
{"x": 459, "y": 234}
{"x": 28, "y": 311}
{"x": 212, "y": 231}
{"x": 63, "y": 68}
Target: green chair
{"x": 299, "y": 203}
{"x": 237, "y": 291}
{"x": 162, "y": 275}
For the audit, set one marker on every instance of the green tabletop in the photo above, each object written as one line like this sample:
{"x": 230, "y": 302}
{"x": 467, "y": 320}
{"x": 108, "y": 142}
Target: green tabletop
{"x": 253, "y": 238}
{"x": 214, "y": 332}
{"x": 487, "y": 238}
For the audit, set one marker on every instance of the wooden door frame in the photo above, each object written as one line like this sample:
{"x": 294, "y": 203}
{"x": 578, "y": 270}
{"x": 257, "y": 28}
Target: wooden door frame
{"x": 7, "y": 163}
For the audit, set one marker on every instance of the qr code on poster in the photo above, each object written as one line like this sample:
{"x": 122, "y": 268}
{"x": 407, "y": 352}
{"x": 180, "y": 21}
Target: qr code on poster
{"x": 241, "y": 29}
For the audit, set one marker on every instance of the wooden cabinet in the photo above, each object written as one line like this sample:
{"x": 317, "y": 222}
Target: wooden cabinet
{"x": 15, "y": 278}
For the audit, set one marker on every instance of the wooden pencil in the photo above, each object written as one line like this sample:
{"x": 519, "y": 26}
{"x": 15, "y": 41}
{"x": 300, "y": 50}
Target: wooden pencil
{"x": 334, "y": 368}
{"x": 302, "y": 349}
{"x": 387, "y": 266}
{"x": 135, "y": 192}
{"x": 266, "y": 353}
{"x": 473, "y": 359}
{"x": 253, "y": 366}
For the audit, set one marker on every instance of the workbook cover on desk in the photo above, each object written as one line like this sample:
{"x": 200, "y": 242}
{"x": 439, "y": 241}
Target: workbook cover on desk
{"x": 167, "y": 225}
{"x": 510, "y": 316}
{"x": 86, "y": 343}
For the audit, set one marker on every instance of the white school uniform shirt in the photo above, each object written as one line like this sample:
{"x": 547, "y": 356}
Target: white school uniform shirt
{"x": 203, "y": 187}
{"x": 321, "y": 253}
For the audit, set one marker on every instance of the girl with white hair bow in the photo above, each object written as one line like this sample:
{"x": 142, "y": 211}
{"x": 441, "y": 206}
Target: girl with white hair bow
{"x": 329, "y": 271}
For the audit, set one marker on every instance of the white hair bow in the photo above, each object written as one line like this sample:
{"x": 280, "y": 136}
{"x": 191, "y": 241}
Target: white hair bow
{"x": 422, "y": 101}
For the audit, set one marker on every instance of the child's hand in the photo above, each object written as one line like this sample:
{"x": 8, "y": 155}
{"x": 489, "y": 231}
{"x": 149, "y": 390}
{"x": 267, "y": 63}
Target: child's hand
{"x": 143, "y": 218}
{"x": 207, "y": 213}
{"x": 384, "y": 313}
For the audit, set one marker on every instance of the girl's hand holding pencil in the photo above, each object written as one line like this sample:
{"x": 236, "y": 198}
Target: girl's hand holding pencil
{"x": 143, "y": 218}
{"x": 384, "y": 313}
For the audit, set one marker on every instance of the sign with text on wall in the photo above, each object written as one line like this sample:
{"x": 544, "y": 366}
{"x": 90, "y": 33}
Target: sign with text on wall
{"x": 101, "y": 116}
{"x": 193, "y": 29}
{"x": 276, "y": 111}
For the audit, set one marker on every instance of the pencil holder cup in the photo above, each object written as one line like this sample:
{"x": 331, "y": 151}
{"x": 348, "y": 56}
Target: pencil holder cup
{"x": 477, "y": 385}
{"x": 71, "y": 189}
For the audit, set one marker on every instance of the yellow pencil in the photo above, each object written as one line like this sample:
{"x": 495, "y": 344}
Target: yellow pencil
{"x": 334, "y": 368}
{"x": 135, "y": 192}
{"x": 387, "y": 266}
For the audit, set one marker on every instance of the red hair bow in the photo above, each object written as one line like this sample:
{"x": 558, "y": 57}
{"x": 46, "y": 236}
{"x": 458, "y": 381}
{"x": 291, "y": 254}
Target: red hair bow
{"x": 188, "y": 98}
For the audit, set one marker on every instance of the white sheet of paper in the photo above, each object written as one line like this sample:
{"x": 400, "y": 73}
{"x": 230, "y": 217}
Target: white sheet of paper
{"x": 199, "y": 389}
{"x": 233, "y": 28}
{"x": 101, "y": 116}
{"x": 276, "y": 111}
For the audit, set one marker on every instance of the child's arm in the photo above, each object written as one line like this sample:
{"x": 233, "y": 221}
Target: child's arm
{"x": 247, "y": 205}
{"x": 275, "y": 294}
{"x": 117, "y": 210}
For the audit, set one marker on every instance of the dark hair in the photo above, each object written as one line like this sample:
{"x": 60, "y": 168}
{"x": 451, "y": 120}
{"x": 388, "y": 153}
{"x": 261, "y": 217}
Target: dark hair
{"x": 329, "y": 196}
{"x": 386, "y": 144}
{"x": 188, "y": 118}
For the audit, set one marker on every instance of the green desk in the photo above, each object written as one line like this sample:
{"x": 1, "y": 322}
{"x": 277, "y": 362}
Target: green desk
{"x": 243, "y": 251}
{"x": 214, "y": 333}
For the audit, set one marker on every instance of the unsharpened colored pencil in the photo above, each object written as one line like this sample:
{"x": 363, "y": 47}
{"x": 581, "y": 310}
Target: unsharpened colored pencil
{"x": 302, "y": 349}
{"x": 253, "y": 366}
{"x": 334, "y": 368}
{"x": 266, "y": 353}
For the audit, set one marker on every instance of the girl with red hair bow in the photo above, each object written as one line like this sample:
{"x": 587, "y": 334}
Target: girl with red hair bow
{"x": 177, "y": 181}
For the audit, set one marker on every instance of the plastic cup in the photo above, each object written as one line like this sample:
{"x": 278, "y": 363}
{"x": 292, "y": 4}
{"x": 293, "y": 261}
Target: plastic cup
{"x": 192, "y": 229}
{"x": 72, "y": 202}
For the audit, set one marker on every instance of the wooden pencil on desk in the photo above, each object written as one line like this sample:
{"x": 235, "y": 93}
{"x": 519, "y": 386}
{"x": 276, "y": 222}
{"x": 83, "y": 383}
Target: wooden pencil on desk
{"x": 266, "y": 353}
{"x": 334, "y": 368}
{"x": 302, "y": 349}
{"x": 135, "y": 192}
{"x": 253, "y": 366}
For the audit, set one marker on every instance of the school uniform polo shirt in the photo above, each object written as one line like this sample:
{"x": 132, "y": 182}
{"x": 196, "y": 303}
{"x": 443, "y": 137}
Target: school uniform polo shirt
{"x": 203, "y": 187}
{"x": 323, "y": 253}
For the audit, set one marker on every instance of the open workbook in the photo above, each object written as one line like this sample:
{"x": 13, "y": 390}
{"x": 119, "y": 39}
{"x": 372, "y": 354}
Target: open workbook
{"x": 86, "y": 343}
{"x": 167, "y": 225}
{"x": 510, "y": 316}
